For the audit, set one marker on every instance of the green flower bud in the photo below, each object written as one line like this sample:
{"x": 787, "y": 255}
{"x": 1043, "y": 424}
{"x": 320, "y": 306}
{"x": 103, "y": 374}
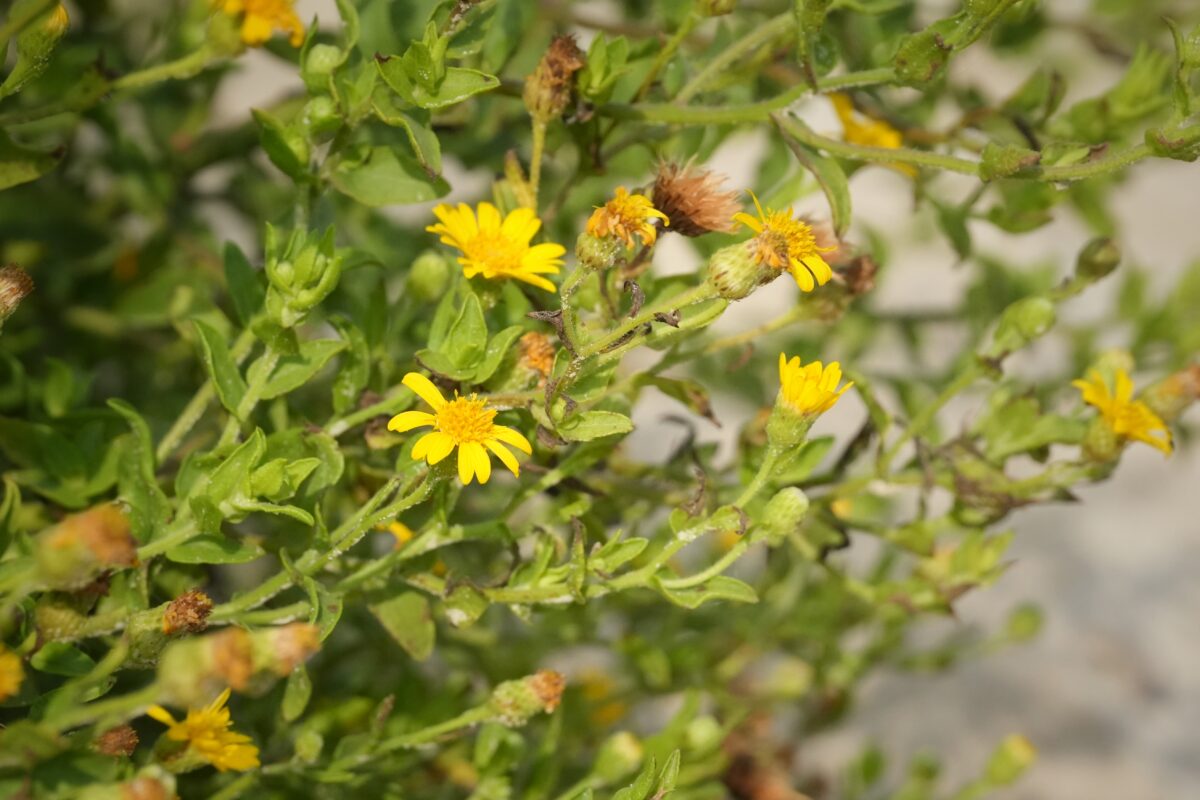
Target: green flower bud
{"x": 224, "y": 35}
{"x": 1101, "y": 443}
{"x": 717, "y": 8}
{"x": 597, "y": 252}
{"x": 1010, "y": 760}
{"x": 429, "y": 276}
{"x": 35, "y": 45}
{"x": 735, "y": 273}
{"x": 513, "y": 702}
{"x": 319, "y": 64}
{"x": 1003, "y": 160}
{"x": 784, "y": 513}
{"x": 620, "y": 755}
{"x": 704, "y": 734}
{"x": 1022, "y": 322}
{"x": 922, "y": 55}
{"x": 72, "y": 553}
{"x": 321, "y": 117}
{"x": 1098, "y": 258}
{"x": 300, "y": 274}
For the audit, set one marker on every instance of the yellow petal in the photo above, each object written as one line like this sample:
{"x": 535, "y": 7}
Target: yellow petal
{"x": 515, "y": 438}
{"x": 466, "y": 465}
{"x": 424, "y": 389}
{"x": 749, "y": 221}
{"x": 161, "y": 714}
{"x": 408, "y": 420}
{"x": 505, "y": 455}
{"x": 479, "y": 460}
{"x": 489, "y": 218}
{"x": 535, "y": 280}
{"x": 804, "y": 278}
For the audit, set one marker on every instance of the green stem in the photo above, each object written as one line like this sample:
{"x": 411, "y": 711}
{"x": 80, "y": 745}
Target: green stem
{"x": 925, "y": 416}
{"x": 184, "y": 529}
{"x": 880, "y": 155}
{"x": 668, "y": 50}
{"x": 774, "y": 28}
{"x": 717, "y": 567}
{"x": 696, "y": 294}
{"x": 770, "y": 460}
{"x": 535, "y": 159}
{"x": 259, "y": 372}
{"x": 184, "y": 67}
{"x": 467, "y": 719}
{"x": 114, "y": 709}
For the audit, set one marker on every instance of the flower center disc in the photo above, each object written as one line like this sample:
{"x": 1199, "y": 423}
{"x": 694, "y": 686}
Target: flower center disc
{"x": 497, "y": 251}
{"x": 466, "y": 419}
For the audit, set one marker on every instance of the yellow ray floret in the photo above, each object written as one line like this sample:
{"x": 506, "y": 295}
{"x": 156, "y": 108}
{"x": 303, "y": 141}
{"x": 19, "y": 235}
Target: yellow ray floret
{"x": 12, "y": 673}
{"x": 625, "y": 216}
{"x": 1128, "y": 418}
{"x": 810, "y": 389}
{"x": 207, "y": 733}
{"x": 498, "y": 248}
{"x": 465, "y": 423}
{"x": 784, "y": 242}
{"x": 261, "y": 18}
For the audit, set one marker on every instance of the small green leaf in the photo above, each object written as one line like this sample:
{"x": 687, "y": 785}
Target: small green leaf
{"x": 588, "y": 425}
{"x": 286, "y": 148}
{"x": 721, "y": 587}
{"x": 416, "y": 125}
{"x": 60, "y": 658}
{"x": 226, "y": 378}
{"x": 458, "y": 84}
{"x": 213, "y": 548}
{"x": 296, "y": 694}
{"x": 20, "y": 165}
{"x": 467, "y": 338}
{"x": 827, "y": 171}
{"x": 406, "y": 617}
{"x": 383, "y": 177}
{"x": 245, "y": 285}
{"x": 294, "y": 371}
{"x": 234, "y": 472}
{"x": 497, "y": 347}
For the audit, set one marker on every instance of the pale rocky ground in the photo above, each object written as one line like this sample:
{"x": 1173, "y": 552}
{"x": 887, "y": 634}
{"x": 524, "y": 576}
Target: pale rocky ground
{"x": 1110, "y": 692}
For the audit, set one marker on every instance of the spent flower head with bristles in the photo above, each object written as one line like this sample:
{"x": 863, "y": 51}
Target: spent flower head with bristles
{"x": 782, "y": 241}
{"x": 466, "y": 423}
{"x": 625, "y": 216}
{"x": 498, "y": 248}
{"x": 694, "y": 199}
{"x": 548, "y": 88}
{"x": 261, "y": 18}
{"x": 206, "y": 734}
{"x": 1128, "y": 419}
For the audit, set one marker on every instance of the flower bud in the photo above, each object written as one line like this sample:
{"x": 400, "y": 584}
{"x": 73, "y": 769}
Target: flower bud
{"x": 12, "y": 673}
{"x": 35, "y": 45}
{"x": 1010, "y": 760}
{"x": 921, "y": 56}
{"x": 597, "y": 252}
{"x": 717, "y": 8}
{"x": 704, "y": 734}
{"x": 82, "y": 546}
{"x": 735, "y": 273}
{"x": 1171, "y": 396}
{"x": 1021, "y": 323}
{"x": 191, "y": 671}
{"x": 15, "y": 286}
{"x": 619, "y": 755}
{"x": 319, "y": 63}
{"x": 429, "y": 276}
{"x": 548, "y": 88}
{"x": 514, "y": 702}
{"x": 321, "y": 117}
{"x": 300, "y": 274}
{"x": 784, "y": 513}
{"x": 1098, "y": 258}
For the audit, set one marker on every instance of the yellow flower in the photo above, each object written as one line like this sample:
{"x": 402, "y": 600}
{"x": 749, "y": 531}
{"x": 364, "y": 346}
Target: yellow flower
{"x": 495, "y": 248}
{"x": 871, "y": 133}
{"x": 783, "y": 242}
{"x": 400, "y": 531}
{"x": 12, "y": 673}
{"x": 811, "y": 389}
{"x": 207, "y": 734}
{"x": 261, "y": 18}
{"x": 625, "y": 216}
{"x": 465, "y": 423}
{"x": 1128, "y": 418}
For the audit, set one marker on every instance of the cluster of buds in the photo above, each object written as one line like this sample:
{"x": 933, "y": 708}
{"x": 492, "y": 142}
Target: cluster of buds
{"x": 82, "y": 546}
{"x": 513, "y": 702}
{"x": 301, "y": 272}
{"x": 193, "y": 670}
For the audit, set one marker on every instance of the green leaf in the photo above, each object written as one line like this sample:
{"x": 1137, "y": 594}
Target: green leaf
{"x": 60, "y": 658}
{"x": 406, "y": 617}
{"x": 214, "y": 548}
{"x": 296, "y": 694}
{"x": 286, "y": 148}
{"x": 721, "y": 587}
{"x": 669, "y": 776}
{"x": 355, "y": 368}
{"x": 37, "y": 446}
{"x": 458, "y": 84}
{"x": 149, "y": 508}
{"x": 827, "y": 171}
{"x": 467, "y": 338}
{"x": 383, "y": 177}
{"x": 226, "y": 378}
{"x": 589, "y": 425}
{"x": 294, "y": 371}
{"x": 233, "y": 475}
{"x": 615, "y": 554}
{"x": 497, "y": 347}
{"x": 245, "y": 285}
{"x": 417, "y": 125}
{"x": 20, "y": 165}
{"x": 641, "y": 786}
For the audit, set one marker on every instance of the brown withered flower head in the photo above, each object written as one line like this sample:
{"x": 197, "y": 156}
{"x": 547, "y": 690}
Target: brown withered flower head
{"x": 694, "y": 200}
{"x": 548, "y": 686}
{"x": 537, "y": 354}
{"x": 15, "y": 286}
{"x": 118, "y": 742}
{"x": 187, "y": 613}
{"x": 548, "y": 87}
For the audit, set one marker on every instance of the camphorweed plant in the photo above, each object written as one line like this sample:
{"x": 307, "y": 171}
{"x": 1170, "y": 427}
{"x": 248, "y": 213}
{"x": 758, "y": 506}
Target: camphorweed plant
{"x": 316, "y": 421}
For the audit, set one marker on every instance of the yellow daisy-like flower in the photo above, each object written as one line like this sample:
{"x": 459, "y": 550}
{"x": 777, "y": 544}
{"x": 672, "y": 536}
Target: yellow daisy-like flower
{"x": 625, "y": 216}
{"x": 261, "y": 18}
{"x": 208, "y": 735}
{"x": 1128, "y": 418}
{"x": 401, "y": 532}
{"x": 810, "y": 389}
{"x": 12, "y": 673}
{"x": 465, "y": 423}
{"x": 784, "y": 242}
{"x": 871, "y": 133}
{"x": 496, "y": 248}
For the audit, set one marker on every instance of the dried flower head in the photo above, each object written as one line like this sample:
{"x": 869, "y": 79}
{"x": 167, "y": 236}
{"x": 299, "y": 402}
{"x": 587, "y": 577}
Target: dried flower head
{"x": 625, "y": 216}
{"x": 783, "y": 242}
{"x": 15, "y": 286}
{"x": 119, "y": 742}
{"x": 261, "y": 18}
{"x": 694, "y": 200}
{"x": 207, "y": 734}
{"x": 537, "y": 354}
{"x": 232, "y": 653}
{"x": 498, "y": 248}
{"x": 187, "y": 613}
{"x": 465, "y": 423}
{"x": 548, "y": 87}
{"x": 1129, "y": 419}
{"x": 292, "y": 645}
{"x": 81, "y": 546}
{"x": 12, "y": 673}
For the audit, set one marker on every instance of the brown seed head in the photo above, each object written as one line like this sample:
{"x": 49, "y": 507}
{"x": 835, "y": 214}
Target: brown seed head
{"x": 548, "y": 686}
{"x": 859, "y": 275}
{"x": 118, "y": 742}
{"x": 233, "y": 657}
{"x": 15, "y": 286}
{"x": 548, "y": 87}
{"x": 694, "y": 200}
{"x": 187, "y": 613}
{"x": 537, "y": 353}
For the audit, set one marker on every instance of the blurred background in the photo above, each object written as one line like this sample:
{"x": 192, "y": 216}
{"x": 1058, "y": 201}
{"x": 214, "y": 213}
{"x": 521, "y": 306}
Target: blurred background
{"x": 1110, "y": 691}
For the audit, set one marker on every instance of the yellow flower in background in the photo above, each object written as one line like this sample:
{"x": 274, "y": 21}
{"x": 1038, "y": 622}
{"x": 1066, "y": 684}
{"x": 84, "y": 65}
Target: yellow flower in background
{"x": 12, "y": 673}
{"x": 871, "y": 133}
{"x": 1128, "y": 418}
{"x": 625, "y": 216}
{"x": 498, "y": 248}
{"x": 810, "y": 389}
{"x": 261, "y": 18}
{"x": 207, "y": 734}
{"x": 783, "y": 242}
{"x": 465, "y": 423}
{"x": 401, "y": 532}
